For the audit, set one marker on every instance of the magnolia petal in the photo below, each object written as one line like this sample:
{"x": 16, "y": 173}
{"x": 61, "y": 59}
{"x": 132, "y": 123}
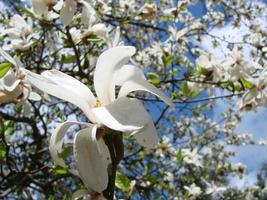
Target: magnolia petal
{"x": 21, "y": 44}
{"x": 59, "y": 5}
{"x": 103, "y": 149}
{"x": 91, "y": 164}
{"x": 39, "y": 6}
{"x": 114, "y": 39}
{"x": 56, "y": 141}
{"x": 67, "y": 12}
{"x": 10, "y": 83}
{"x": 108, "y": 62}
{"x": 67, "y": 89}
{"x": 18, "y": 22}
{"x": 34, "y": 96}
{"x": 8, "y": 57}
{"x": 13, "y": 33}
{"x": 117, "y": 36}
{"x": 139, "y": 84}
{"x": 100, "y": 30}
{"x": 123, "y": 114}
{"x": 132, "y": 79}
{"x": 127, "y": 72}
{"x": 71, "y": 83}
{"x": 147, "y": 136}
{"x": 89, "y": 15}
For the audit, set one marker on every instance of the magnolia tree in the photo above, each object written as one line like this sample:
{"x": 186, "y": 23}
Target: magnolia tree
{"x": 116, "y": 99}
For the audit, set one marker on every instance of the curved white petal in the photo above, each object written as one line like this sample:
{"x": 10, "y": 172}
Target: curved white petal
{"x": 18, "y": 22}
{"x": 127, "y": 72}
{"x": 67, "y": 12}
{"x": 64, "y": 87}
{"x": 39, "y": 6}
{"x": 56, "y": 141}
{"x": 100, "y": 30}
{"x": 123, "y": 114}
{"x": 8, "y": 57}
{"x": 116, "y": 39}
{"x": 147, "y": 136}
{"x": 132, "y": 79}
{"x": 89, "y": 15}
{"x": 91, "y": 163}
{"x": 71, "y": 83}
{"x": 34, "y": 96}
{"x": 13, "y": 33}
{"x": 9, "y": 82}
{"x": 107, "y": 63}
{"x": 140, "y": 84}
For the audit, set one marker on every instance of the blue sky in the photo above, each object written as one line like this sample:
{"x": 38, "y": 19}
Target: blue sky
{"x": 253, "y": 122}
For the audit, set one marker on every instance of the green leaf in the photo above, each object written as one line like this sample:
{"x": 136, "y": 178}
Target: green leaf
{"x": 247, "y": 84}
{"x": 181, "y": 63}
{"x": 155, "y": 81}
{"x": 179, "y": 157}
{"x": 203, "y": 71}
{"x": 68, "y": 59}
{"x": 4, "y": 68}
{"x": 167, "y": 18}
{"x": 9, "y": 131}
{"x": 154, "y": 78}
{"x": 60, "y": 170}
{"x": 2, "y": 150}
{"x": 65, "y": 153}
{"x": 51, "y": 197}
{"x": 176, "y": 95}
{"x": 185, "y": 89}
{"x": 152, "y": 75}
{"x": 175, "y": 71}
{"x": 123, "y": 182}
{"x": 167, "y": 59}
{"x": 27, "y": 12}
{"x": 226, "y": 85}
{"x": 94, "y": 40}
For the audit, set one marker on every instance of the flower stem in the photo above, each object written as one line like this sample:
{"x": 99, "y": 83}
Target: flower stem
{"x": 113, "y": 140}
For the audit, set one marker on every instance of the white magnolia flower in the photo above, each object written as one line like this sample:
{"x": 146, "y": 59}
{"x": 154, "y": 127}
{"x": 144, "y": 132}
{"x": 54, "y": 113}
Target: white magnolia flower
{"x": 258, "y": 39}
{"x": 239, "y": 168}
{"x": 236, "y": 67}
{"x": 193, "y": 189}
{"x": 20, "y": 33}
{"x": 214, "y": 71}
{"x": 120, "y": 114}
{"x": 213, "y": 189}
{"x": 192, "y": 157}
{"x": 101, "y": 30}
{"x": 257, "y": 95}
{"x": 41, "y": 7}
{"x": 76, "y": 35}
{"x": 148, "y": 11}
{"x": 69, "y": 8}
{"x": 91, "y": 19}
{"x": 66, "y": 8}
{"x": 175, "y": 34}
{"x": 14, "y": 86}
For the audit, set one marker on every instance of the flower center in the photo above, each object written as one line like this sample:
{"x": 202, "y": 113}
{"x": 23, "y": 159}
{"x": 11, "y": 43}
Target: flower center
{"x": 97, "y": 104}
